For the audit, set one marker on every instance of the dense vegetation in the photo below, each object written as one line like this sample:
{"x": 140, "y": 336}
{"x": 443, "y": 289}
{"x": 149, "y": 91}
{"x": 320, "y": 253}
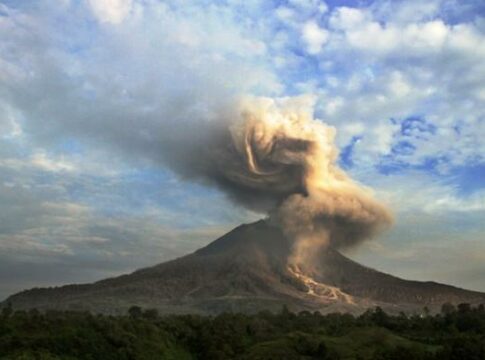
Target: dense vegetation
{"x": 456, "y": 333}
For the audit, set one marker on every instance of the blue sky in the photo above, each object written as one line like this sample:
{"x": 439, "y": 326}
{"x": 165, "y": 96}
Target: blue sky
{"x": 91, "y": 93}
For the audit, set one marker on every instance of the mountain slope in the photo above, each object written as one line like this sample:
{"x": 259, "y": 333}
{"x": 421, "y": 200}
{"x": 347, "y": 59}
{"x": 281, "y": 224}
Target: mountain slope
{"x": 246, "y": 270}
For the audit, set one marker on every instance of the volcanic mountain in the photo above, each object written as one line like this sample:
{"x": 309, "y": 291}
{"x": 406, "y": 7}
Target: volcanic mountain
{"x": 247, "y": 270}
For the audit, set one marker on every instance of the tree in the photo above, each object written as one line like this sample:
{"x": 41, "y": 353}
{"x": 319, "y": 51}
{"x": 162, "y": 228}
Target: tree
{"x": 464, "y": 348}
{"x": 447, "y": 309}
{"x": 135, "y": 312}
{"x": 151, "y": 314}
{"x": 464, "y": 308}
{"x": 379, "y": 317}
{"x": 7, "y": 310}
{"x": 322, "y": 350}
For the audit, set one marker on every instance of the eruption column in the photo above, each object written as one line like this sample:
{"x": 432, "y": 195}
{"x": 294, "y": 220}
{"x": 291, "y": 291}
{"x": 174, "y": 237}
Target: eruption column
{"x": 279, "y": 158}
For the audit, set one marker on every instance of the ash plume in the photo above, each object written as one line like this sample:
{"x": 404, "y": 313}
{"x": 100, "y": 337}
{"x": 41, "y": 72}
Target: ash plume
{"x": 271, "y": 155}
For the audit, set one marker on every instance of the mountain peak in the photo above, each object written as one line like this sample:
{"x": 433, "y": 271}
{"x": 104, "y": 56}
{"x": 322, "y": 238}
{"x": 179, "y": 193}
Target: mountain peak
{"x": 260, "y": 235}
{"x": 247, "y": 270}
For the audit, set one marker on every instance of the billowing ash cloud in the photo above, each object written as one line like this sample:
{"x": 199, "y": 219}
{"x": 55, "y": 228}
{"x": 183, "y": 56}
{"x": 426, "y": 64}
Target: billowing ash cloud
{"x": 271, "y": 155}
{"x": 180, "y": 112}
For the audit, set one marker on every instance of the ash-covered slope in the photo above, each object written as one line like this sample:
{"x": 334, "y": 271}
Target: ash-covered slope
{"x": 246, "y": 270}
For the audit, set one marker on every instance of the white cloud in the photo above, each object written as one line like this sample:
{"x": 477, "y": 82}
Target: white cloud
{"x": 350, "y": 130}
{"x": 9, "y": 126}
{"x": 110, "y": 11}
{"x": 315, "y": 5}
{"x": 97, "y": 232}
{"x": 347, "y": 18}
{"x": 438, "y": 232}
{"x": 285, "y": 13}
{"x": 42, "y": 161}
{"x": 395, "y": 69}
{"x": 333, "y": 105}
{"x": 373, "y": 141}
{"x": 411, "y": 191}
{"x": 411, "y": 11}
{"x": 398, "y": 84}
{"x": 314, "y": 37}
{"x": 373, "y": 37}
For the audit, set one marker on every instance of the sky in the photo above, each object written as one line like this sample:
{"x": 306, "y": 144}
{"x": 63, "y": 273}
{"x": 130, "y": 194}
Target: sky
{"x": 91, "y": 91}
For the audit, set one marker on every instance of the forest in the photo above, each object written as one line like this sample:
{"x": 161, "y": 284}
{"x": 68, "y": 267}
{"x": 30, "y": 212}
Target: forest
{"x": 457, "y": 332}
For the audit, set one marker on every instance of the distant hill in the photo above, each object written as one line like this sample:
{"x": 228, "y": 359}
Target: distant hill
{"x": 246, "y": 271}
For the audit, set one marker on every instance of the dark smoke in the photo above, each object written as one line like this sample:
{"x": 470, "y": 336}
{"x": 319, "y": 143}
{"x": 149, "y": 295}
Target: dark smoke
{"x": 271, "y": 155}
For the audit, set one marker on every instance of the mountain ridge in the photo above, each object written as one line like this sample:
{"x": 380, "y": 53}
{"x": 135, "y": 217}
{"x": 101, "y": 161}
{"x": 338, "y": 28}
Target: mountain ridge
{"x": 246, "y": 270}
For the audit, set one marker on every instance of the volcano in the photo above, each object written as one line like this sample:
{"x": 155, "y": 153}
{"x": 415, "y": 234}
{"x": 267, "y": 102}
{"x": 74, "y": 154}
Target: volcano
{"x": 247, "y": 270}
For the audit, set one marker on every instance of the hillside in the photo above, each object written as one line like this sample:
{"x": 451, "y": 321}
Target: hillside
{"x": 246, "y": 270}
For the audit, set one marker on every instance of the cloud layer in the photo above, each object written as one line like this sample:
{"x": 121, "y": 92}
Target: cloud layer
{"x": 95, "y": 96}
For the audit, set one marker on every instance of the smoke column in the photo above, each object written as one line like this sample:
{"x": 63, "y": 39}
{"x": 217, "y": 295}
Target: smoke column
{"x": 271, "y": 155}
{"x": 169, "y": 102}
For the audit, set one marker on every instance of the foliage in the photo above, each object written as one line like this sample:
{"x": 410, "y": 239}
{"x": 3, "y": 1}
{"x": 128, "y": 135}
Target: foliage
{"x": 455, "y": 333}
